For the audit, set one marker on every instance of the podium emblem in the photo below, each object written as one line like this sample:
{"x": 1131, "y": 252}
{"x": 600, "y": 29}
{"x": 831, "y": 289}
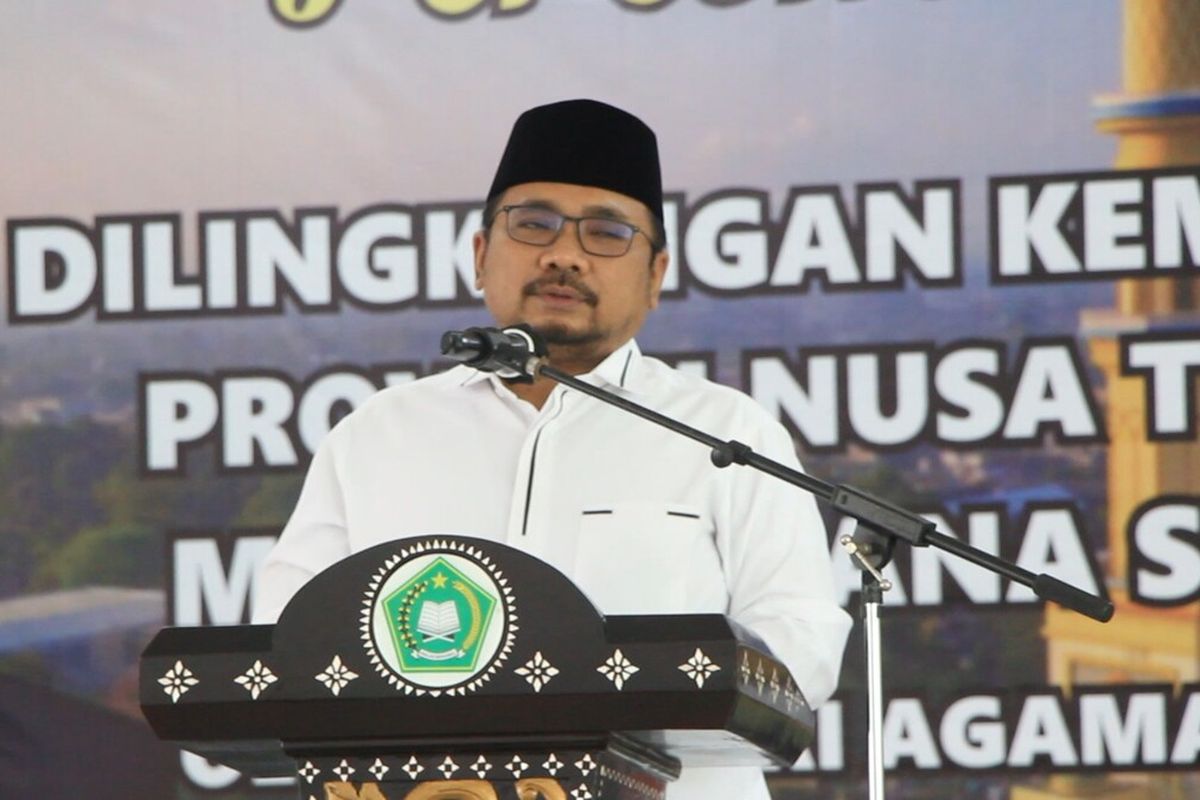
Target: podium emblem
{"x": 438, "y": 617}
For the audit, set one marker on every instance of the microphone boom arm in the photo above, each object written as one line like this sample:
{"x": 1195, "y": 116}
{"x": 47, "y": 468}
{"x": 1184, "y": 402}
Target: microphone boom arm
{"x": 879, "y": 516}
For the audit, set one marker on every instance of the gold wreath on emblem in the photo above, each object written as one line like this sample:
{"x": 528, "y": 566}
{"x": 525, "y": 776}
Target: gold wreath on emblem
{"x": 476, "y": 614}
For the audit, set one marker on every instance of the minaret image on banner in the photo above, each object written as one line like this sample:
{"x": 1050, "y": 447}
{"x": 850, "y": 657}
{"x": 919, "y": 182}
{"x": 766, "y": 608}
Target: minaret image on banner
{"x": 1157, "y": 121}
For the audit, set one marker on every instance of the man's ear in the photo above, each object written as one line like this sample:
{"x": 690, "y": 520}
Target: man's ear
{"x": 479, "y": 243}
{"x": 658, "y": 271}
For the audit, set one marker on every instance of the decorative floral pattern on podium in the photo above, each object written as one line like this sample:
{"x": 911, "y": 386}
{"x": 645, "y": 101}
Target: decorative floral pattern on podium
{"x": 336, "y": 676}
{"x": 774, "y": 684}
{"x": 585, "y": 765}
{"x": 439, "y": 617}
{"x": 412, "y": 768}
{"x": 537, "y": 671}
{"x": 481, "y": 767}
{"x": 792, "y": 697}
{"x": 309, "y": 771}
{"x": 256, "y": 679}
{"x": 617, "y": 668}
{"x": 516, "y": 766}
{"x": 177, "y": 681}
{"x": 698, "y": 668}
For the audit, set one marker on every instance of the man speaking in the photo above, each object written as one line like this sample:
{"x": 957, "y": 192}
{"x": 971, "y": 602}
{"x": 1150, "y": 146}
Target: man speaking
{"x": 573, "y": 245}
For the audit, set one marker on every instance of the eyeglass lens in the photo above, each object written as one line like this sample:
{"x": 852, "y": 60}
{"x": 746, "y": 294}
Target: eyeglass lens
{"x": 597, "y": 235}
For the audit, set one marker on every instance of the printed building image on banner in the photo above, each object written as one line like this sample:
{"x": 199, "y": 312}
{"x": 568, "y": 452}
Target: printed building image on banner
{"x": 954, "y": 247}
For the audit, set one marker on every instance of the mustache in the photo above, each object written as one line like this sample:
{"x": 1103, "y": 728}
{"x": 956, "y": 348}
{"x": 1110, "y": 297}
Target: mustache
{"x": 565, "y": 279}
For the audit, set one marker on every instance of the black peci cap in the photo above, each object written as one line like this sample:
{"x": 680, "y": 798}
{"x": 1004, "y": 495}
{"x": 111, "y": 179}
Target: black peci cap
{"x": 584, "y": 142}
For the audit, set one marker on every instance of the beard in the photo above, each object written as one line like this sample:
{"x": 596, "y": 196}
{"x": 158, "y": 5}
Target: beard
{"x": 560, "y": 335}
{"x": 555, "y": 333}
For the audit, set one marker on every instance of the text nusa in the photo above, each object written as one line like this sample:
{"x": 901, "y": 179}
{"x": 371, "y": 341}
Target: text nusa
{"x": 965, "y": 393}
{"x": 390, "y": 256}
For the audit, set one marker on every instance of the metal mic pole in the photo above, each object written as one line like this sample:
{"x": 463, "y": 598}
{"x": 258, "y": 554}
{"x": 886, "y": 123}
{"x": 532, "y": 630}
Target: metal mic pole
{"x": 872, "y": 596}
{"x": 870, "y": 553}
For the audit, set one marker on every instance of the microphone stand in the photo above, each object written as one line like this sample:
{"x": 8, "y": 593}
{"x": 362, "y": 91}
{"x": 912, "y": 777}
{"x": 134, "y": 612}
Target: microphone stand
{"x": 880, "y": 525}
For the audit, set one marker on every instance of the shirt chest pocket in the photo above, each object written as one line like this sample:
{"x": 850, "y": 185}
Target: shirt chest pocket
{"x": 649, "y": 558}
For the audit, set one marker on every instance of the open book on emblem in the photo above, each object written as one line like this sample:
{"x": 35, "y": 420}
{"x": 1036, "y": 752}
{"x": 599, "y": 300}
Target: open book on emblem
{"x": 438, "y": 621}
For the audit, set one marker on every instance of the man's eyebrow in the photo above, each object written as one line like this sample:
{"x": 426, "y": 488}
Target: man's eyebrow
{"x": 539, "y": 203}
{"x": 597, "y": 210}
{"x": 607, "y": 212}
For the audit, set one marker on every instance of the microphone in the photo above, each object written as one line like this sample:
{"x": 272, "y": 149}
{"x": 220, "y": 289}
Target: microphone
{"x": 514, "y": 353}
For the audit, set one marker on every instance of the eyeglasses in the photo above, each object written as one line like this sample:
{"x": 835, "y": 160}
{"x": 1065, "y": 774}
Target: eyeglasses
{"x": 600, "y": 236}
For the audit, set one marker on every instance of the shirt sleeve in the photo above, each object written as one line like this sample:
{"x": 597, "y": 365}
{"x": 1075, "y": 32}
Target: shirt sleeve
{"x": 778, "y": 569}
{"x": 314, "y": 538}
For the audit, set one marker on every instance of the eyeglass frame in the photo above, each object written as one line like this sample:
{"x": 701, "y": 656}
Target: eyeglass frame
{"x": 565, "y": 218}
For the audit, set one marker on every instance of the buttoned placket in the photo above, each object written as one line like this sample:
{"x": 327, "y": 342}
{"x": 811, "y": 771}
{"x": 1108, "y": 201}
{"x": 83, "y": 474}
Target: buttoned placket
{"x": 533, "y": 525}
{"x": 524, "y": 529}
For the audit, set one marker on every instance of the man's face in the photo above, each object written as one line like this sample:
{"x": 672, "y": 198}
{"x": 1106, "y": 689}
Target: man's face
{"x": 585, "y": 305}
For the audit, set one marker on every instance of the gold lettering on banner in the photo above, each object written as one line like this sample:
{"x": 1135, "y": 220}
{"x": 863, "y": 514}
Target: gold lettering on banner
{"x": 461, "y": 8}
{"x": 303, "y": 13}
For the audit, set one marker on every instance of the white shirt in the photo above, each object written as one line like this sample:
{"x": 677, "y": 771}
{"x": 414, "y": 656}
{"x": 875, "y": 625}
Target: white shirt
{"x": 459, "y": 453}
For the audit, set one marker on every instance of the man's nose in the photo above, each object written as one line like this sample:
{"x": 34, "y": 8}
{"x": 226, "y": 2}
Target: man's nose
{"x": 566, "y": 251}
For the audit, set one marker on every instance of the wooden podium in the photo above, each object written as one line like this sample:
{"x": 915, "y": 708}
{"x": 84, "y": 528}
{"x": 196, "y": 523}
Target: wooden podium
{"x": 460, "y": 669}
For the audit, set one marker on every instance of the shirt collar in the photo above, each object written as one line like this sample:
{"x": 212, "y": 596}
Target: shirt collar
{"x": 621, "y": 369}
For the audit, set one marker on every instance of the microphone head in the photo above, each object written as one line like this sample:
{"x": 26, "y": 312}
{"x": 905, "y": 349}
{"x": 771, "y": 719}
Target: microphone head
{"x": 465, "y": 345}
{"x": 512, "y": 353}
{"x": 451, "y": 342}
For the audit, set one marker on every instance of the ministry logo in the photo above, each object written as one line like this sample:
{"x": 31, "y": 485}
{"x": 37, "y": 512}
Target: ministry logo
{"x": 438, "y": 618}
